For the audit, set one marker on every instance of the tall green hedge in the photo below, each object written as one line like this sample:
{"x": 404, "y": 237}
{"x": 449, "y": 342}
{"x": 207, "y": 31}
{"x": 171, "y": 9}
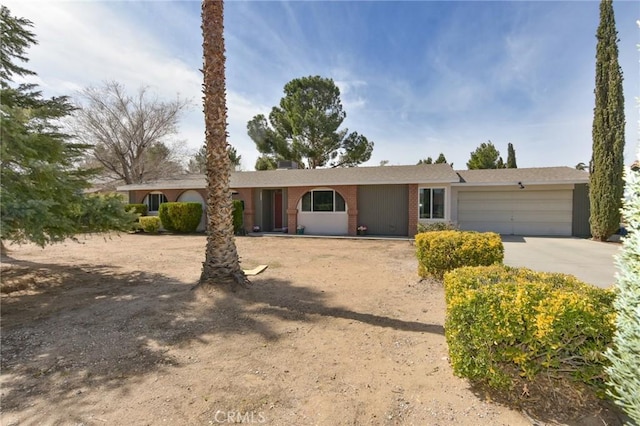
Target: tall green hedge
{"x": 238, "y": 217}
{"x": 138, "y": 208}
{"x": 180, "y": 217}
{"x": 506, "y": 324}
{"x": 442, "y": 251}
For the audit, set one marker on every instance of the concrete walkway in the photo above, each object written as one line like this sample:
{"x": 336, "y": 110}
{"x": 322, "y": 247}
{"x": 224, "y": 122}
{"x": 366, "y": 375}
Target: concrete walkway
{"x": 590, "y": 261}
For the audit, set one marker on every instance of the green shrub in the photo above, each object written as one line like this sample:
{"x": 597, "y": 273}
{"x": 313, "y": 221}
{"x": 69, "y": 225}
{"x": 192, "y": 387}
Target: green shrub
{"x": 238, "y": 217}
{"x": 442, "y": 251}
{"x": 436, "y": 226}
{"x": 180, "y": 217}
{"x": 150, "y": 224}
{"x": 507, "y": 324}
{"x": 624, "y": 380}
{"x": 138, "y": 208}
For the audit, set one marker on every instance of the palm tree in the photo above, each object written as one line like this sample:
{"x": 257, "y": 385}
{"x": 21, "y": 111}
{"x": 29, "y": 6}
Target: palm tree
{"x": 221, "y": 267}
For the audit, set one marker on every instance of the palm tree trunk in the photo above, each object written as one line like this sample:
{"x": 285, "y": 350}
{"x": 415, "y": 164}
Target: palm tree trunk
{"x": 221, "y": 267}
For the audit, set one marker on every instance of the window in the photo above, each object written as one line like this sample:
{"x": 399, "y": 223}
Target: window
{"x": 323, "y": 201}
{"x": 154, "y": 200}
{"x": 431, "y": 203}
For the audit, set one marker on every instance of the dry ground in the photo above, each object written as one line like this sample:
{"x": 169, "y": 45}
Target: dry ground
{"x": 334, "y": 332}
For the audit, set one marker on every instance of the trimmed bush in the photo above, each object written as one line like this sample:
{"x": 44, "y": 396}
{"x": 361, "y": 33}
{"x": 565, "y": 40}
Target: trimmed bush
{"x": 180, "y": 217}
{"x": 150, "y": 224}
{"x": 508, "y": 324}
{"x": 238, "y": 217}
{"x": 442, "y": 251}
{"x": 436, "y": 226}
{"x": 138, "y": 208}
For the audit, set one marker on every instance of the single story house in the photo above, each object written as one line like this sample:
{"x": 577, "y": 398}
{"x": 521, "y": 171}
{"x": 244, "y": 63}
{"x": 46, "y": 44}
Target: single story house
{"x": 392, "y": 200}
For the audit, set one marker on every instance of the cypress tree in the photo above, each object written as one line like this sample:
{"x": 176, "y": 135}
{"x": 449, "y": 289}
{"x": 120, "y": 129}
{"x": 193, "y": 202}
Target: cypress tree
{"x": 511, "y": 157}
{"x": 606, "y": 184}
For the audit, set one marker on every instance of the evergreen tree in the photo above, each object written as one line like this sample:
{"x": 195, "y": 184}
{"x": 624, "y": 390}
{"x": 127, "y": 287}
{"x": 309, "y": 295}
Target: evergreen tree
{"x": 42, "y": 190}
{"x": 625, "y": 362}
{"x": 486, "y": 156}
{"x": 606, "y": 184}
{"x": 441, "y": 159}
{"x": 305, "y": 127}
{"x": 511, "y": 157}
{"x": 198, "y": 164}
{"x": 265, "y": 162}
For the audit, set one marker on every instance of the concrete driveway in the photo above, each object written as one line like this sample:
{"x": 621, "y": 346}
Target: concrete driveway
{"x": 590, "y": 261}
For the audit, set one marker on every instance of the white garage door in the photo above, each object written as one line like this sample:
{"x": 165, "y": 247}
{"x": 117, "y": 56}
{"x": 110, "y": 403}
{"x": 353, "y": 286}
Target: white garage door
{"x": 192, "y": 196}
{"x": 522, "y": 212}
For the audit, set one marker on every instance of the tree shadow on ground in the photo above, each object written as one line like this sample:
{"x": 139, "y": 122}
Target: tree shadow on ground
{"x": 75, "y": 330}
{"x": 285, "y": 300}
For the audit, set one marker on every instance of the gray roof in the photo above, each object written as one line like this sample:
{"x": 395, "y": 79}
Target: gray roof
{"x": 436, "y": 173}
{"x": 431, "y": 173}
{"x": 424, "y": 173}
{"x": 536, "y": 175}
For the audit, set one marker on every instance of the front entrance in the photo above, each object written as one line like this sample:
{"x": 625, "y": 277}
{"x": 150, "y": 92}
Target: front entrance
{"x": 277, "y": 209}
{"x": 272, "y": 210}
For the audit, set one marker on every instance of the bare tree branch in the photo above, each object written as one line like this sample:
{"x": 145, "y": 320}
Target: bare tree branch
{"x": 129, "y": 133}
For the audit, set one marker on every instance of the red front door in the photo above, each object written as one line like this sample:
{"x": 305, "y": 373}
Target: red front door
{"x": 277, "y": 209}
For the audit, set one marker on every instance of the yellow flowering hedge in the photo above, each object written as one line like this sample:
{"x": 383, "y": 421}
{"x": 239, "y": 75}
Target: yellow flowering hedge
{"x": 150, "y": 224}
{"x": 505, "y": 323}
{"x": 442, "y": 251}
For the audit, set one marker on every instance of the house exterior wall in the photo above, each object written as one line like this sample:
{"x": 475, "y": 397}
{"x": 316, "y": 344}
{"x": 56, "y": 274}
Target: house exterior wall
{"x": 348, "y": 192}
{"x": 581, "y": 211}
{"x": 383, "y": 209}
{"x": 136, "y": 197}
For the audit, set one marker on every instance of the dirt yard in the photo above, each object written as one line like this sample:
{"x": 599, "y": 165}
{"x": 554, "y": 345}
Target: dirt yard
{"x": 334, "y": 332}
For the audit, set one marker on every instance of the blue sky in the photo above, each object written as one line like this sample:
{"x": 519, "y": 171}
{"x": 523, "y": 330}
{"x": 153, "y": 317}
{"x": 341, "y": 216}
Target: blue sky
{"x": 417, "y": 78}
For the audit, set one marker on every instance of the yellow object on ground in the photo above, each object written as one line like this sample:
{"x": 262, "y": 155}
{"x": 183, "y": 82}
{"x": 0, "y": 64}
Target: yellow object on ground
{"x": 255, "y": 271}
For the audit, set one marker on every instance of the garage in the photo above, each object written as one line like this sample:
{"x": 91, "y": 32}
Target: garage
{"x": 192, "y": 196}
{"x": 517, "y": 212}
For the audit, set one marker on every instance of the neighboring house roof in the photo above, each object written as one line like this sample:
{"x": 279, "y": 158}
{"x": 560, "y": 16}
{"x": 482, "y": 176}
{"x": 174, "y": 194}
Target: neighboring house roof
{"x": 424, "y": 173}
{"x": 531, "y": 176}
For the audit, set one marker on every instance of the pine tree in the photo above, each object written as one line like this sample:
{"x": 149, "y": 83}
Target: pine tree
{"x": 511, "y": 157}
{"x": 441, "y": 159}
{"x": 486, "y": 156}
{"x": 606, "y": 184}
{"x": 42, "y": 191}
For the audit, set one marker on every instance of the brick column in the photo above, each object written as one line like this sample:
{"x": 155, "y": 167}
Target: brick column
{"x": 246, "y": 195}
{"x": 350, "y": 195}
{"x": 413, "y": 210}
{"x": 293, "y": 196}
